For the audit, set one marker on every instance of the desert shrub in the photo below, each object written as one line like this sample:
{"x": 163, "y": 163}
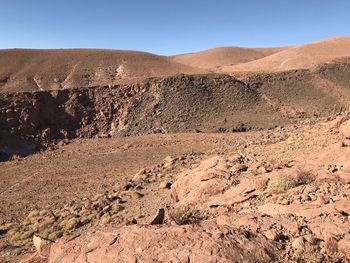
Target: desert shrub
{"x": 69, "y": 224}
{"x": 311, "y": 254}
{"x": 106, "y": 219}
{"x": 281, "y": 184}
{"x": 185, "y": 215}
{"x": 305, "y": 177}
{"x": 55, "y": 235}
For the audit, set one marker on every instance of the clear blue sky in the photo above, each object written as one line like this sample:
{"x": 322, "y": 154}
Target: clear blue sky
{"x": 169, "y": 27}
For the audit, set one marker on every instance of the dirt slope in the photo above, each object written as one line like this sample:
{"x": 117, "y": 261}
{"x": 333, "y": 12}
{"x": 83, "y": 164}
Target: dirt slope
{"x": 220, "y": 195}
{"x": 224, "y": 56}
{"x": 298, "y": 57}
{"x": 182, "y": 103}
{"x": 32, "y": 70}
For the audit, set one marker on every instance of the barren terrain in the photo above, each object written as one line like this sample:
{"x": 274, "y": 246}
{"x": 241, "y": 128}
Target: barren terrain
{"x": 37, "y": 70}
{"x": 215, "y": 58}
{"x": 225, "y": 155}
{"x": 298, "y": 57}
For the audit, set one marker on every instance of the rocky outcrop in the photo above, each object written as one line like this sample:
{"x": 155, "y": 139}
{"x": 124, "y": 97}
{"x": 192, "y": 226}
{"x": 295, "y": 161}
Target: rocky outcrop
{"x": 216, "y": 181}
{"x": 294, "y": 210}
{"x": 137, "y": 243}
{"x": 305, "y": 201}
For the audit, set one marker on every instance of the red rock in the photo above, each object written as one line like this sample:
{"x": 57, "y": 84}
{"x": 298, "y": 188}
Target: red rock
{"x": 168, "y": 161}
{"x": 140, "y": 176}
{"x": 212, "y": 183}
{"x": 335, "y": 124}
{"x": 210, "y": 178}
{"x": 345, "y": 129}
{"x": 137, "y": 243}
{"x": 344, "y": 246}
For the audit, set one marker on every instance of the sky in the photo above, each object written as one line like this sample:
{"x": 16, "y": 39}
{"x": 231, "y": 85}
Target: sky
{"x": 169, "y": 27}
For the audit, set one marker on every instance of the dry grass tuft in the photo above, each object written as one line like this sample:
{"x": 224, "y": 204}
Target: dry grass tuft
{"x": 185, "y": 215}
{"x": 305, "y": 177}
{"x": 281, "y": 184}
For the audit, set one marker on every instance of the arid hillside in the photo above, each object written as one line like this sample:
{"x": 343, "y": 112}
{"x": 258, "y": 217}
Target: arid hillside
{"x": 182, "y": 103}
{"x": 270, "y": 196}
{"x": 298, "y": 57}
{"x": 212, "y": 59}
{"x": 225, "y": 155}
{"x": 35, "y": 70}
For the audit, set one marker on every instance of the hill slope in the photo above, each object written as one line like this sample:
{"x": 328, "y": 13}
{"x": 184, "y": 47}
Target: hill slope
{"x": 298, "y": 57}
{"x": 224, "y": 56}
{"x": 37, "y": 70}
{"x": 30, "y": 70}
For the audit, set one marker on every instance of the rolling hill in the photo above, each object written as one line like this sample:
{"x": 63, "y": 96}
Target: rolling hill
{"x": 35, "y": 70}
{"x": 298, "y": 57}
{"x": 224, "y": 56}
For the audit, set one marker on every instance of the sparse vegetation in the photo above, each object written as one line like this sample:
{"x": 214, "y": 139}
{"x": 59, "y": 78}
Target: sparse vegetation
{"x": 305, "y": 177}
{"x": 54, "y": 224}
{"x": 311, "y": 253}
{"x": 55, "y": 235}
{"x": 281, "y": 184}
{"x": 71, "y": 224}
{"x": 106, "y": 219}
{"x": 185, "y": 215}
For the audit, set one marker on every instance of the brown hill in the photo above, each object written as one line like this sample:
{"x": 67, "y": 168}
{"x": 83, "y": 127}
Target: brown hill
{"x": 224, "y": 56}
{"x": 35, "y": 70}
{"x": 30, "y": 70}
{"x": 298, "y": 57}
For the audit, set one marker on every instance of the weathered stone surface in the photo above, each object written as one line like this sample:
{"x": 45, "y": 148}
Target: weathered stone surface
{"x": 345, "y": 129}
{"x": 215, "y": 182}
{"x": 298, "y": 244}
{"x": 337, "y": 122}
{"x": 137, "y": 243}
{"x": 344, "y": 246}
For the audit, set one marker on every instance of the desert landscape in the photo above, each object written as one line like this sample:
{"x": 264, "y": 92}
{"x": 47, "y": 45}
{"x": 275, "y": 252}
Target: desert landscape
{"x": 229, "y": 154}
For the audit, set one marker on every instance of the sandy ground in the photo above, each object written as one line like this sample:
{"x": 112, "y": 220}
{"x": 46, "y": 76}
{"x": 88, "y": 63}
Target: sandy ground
{"x": 83, "y": 167}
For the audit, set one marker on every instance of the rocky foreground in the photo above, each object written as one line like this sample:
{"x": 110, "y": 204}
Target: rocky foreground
{"x": 286, "y": 201}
